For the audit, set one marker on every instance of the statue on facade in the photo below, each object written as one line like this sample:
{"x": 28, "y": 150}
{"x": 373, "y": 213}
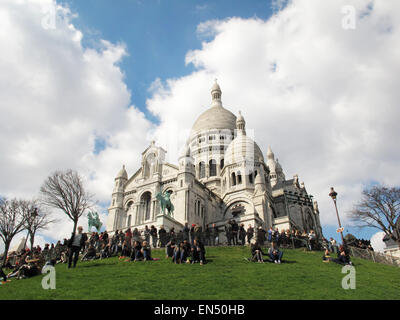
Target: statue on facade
{"x": 94, "y": 221}
{"x": 165, "y": 203}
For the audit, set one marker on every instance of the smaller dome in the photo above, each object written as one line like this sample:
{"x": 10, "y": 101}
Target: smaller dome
{"x": 270, "y": 154}
{"x": 278, "y": 167}
{"x": 240, "y": 117}
{"x": 215, "y": 86}
{"x": 242, "y": 148}
{"x": 122, "y": 174}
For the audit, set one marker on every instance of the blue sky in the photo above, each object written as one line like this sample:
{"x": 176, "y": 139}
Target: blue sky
{"x": 157, "y": 33}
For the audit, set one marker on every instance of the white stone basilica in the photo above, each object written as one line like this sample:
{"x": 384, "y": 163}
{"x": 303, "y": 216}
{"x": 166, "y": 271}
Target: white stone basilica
{"x": 222, "y": 175}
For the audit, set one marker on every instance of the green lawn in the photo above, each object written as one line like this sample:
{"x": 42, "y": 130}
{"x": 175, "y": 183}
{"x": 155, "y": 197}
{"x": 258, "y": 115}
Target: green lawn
{"x": 302, "y": 275}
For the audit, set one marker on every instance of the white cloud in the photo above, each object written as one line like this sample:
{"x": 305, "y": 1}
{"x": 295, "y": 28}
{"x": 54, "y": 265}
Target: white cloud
{"x": 377, "y": 243}
{"x": 56, "y": 98}
{"x": 323, "y": 97}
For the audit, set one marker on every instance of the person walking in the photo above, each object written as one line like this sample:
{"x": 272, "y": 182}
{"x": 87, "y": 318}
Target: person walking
{"x": 214, "y": 235}
{"x": 153, "y": 233}
{"x": 75, "y": 244}
{"x": 250, "y": 233}
{"x": 235, "y": 232}
{"x": 242, "y": 234}
{"x": 228, "y": 232}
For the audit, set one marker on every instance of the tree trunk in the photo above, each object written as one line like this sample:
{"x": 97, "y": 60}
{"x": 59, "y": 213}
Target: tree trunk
{"x": 32, "y": 240}
{"x": 6, "y": 247}
{"x": 75, "y": 225}
{"x": 26, "y": 240}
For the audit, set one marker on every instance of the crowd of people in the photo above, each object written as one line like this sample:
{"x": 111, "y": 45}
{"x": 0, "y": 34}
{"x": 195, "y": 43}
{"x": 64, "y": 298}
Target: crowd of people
{"x": 185, "y": 246}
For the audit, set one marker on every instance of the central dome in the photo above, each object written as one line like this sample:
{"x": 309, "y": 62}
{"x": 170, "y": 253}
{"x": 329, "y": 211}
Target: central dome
{"x": 215, "y": 118}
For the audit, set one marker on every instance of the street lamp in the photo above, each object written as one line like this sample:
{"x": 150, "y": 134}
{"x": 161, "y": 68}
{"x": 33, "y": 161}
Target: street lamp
{"x": 333, "y": 195}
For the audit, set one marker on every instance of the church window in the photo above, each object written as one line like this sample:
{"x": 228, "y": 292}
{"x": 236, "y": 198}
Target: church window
{"x": 213, "y": 167}
{"x": 146, "y": 202}
{"x": 251, "y": 177}
{"x": 181, "y": 183}
{"x": 129, "y": 206}
{"x": 255, "y": 174}
{"x": 202, "y": 170}
{"x": 233, "y": 179}
{"x": 239, "y": 177}
{"x": 129, "y": 221}
{"x": 221, "y": 163}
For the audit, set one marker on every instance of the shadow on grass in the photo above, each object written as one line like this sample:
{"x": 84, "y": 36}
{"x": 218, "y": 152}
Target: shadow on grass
{"x": 270, "y": 261}
{"x": 97, "y": 265}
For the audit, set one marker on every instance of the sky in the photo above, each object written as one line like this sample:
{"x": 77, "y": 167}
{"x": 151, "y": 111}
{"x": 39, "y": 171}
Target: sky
{"x": 88, "y": 84}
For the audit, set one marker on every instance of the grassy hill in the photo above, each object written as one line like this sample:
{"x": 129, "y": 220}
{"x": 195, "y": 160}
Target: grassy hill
{"x": 302, "y": 275}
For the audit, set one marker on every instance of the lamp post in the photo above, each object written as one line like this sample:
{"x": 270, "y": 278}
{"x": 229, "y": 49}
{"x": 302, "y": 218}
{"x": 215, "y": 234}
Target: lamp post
{"x": 333, "y": 195}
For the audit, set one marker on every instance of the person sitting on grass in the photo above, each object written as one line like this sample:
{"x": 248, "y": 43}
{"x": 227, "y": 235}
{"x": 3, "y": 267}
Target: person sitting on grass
{"x": 105, "y": 251}
{"x": 20, "y": 260}
{"x": 90, "y": 254}
{"x": 257, "y": 253}
{"x": 176, "y": 256}
{"x": 32, "y": 267}
{"x": 146, "y": 251}
{"x": 343, "y": 256}
{"x": 327, "y": 256}
{"x": 274, "y": 253}
{"x": 126, "y": 249}
{"x": 2, "y": 274}
{"x": 186, "y": 249}
{"x": 169, "y": 249}
{"x": 137, "y": 254}
{"x": 198, "y": 252}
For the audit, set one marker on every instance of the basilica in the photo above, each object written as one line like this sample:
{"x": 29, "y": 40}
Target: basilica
{"x": 221, "y": 175}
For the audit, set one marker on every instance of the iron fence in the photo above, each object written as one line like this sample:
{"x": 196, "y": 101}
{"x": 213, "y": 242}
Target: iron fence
{"x": 374, "y": 256}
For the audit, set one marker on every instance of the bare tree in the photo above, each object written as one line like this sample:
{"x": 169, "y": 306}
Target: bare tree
{"x": 12, "y": 222}
{"x": 65, "y": 191}
{"x": 36, "y": 218}
{"x": 379, "y": 208}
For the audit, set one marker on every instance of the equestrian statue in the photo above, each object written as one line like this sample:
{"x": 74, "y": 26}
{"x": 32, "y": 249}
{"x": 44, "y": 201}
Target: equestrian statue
{"x": 94, "y": 221}
{"x": 165, "y": 203}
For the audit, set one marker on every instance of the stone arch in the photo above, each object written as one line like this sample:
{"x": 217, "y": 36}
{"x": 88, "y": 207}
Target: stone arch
{"x": 145, "y": 206}
{"x": 246, "y": 203}
{"x": 128, "y": 204}
{"x": 309, "y": 223}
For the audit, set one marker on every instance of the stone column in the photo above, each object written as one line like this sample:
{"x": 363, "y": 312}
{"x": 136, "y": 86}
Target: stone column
{"x": 137, "y": 207}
